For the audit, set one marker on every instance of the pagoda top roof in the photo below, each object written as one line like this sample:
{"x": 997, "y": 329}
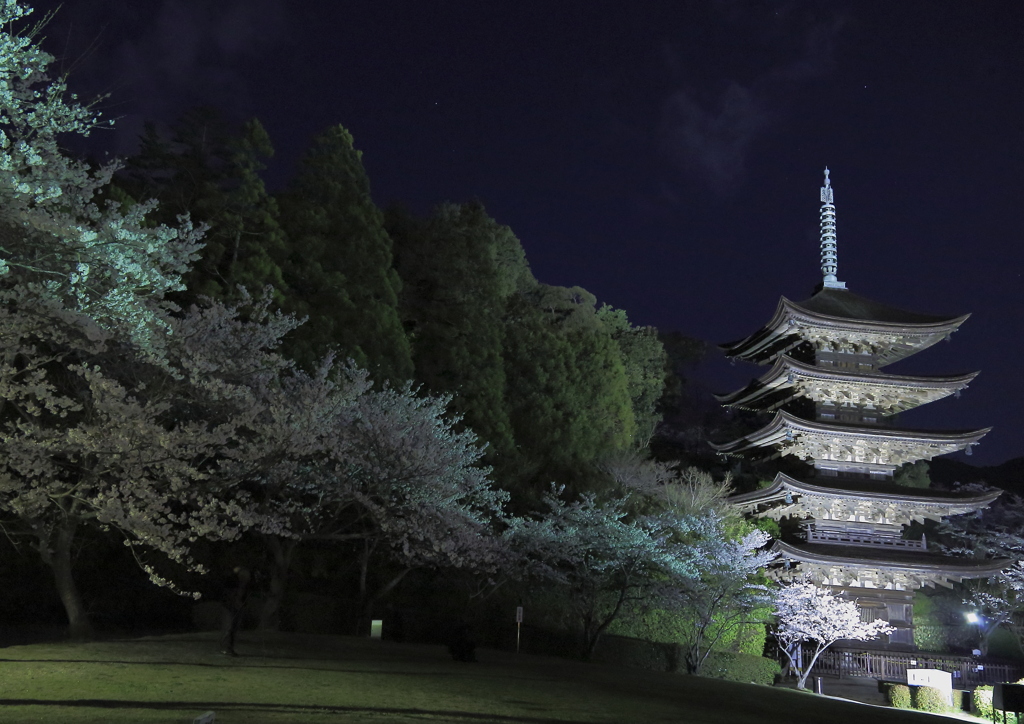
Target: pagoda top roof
{"x": 858, "y": 488}
{"x": 844, "y": 304}
{"x": 909, "y": 561}
{"x": 789, "y": 378}
{"x": 837, "y": 314}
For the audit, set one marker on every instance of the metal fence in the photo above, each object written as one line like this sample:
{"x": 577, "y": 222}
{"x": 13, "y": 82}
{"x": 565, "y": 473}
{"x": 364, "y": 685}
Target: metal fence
{"x": 967, "y": 671}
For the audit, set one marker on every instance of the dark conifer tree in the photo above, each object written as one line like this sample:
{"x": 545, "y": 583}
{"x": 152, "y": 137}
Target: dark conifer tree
{"x": 458, "y": 269}
{"x": 210, "y": 170}
{"x": 567, "y": 388}
{"x": 339, "y": 268}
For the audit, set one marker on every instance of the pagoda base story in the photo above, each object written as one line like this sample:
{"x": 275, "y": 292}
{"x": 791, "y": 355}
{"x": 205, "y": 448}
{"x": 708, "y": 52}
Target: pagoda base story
{"x": 894, "y": 607}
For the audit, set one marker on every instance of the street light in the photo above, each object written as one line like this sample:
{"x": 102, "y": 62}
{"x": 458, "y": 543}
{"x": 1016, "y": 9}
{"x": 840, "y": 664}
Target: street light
{"x": 972, "y": 617}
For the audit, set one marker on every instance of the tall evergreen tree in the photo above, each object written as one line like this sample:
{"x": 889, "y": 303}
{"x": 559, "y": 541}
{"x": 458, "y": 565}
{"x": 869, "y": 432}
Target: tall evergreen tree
{"x": 458, "y": 269}
{"x": 340, "y": 262}
{"x": 567, "y": 388}
{"x": 645, "y": 362}
{"x": 210, "y": 170}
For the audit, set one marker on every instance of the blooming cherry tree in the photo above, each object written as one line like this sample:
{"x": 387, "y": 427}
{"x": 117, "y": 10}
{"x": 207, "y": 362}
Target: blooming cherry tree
{"x": 806, "y": 613}
{"x": 95, "y": 257}
{"x": 385, "y": 469}
{"x": 720, "y": 585}
{"x": 94, "y": 431}
{"x": 998, "y": 602}
{"x": 996, "y": 532}
{"x": 594, "y": 549}
{"x": 710, "y": 575}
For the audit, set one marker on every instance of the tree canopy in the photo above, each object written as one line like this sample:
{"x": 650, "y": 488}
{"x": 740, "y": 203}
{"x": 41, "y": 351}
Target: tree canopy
{"x": 340, "y": 264}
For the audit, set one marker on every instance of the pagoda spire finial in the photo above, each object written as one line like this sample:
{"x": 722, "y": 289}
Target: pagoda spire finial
{"x": 829, "y": 258}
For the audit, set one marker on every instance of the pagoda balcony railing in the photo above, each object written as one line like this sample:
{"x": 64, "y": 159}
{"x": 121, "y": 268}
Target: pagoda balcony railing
{"x": 866, "y": 539}
{"x": 967, "y": 671}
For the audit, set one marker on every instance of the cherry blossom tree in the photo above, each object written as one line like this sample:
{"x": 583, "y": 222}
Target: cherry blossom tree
{"x": 107, "y": 415}
{"x": 391, "y": 473}
{"x": 95, "y": 431}
{"x": 998, "y": 602}
{"x": 610, "y": 558}
{"x": 995, "y": 532}
{"x": 56, "y": 234}
{"x": 119, "y": 410}
{"x": 807, "y": 613}
{"x": 722, "y": 587}
{"x": 594, "y": 549}
{"x": 711, "y": 579}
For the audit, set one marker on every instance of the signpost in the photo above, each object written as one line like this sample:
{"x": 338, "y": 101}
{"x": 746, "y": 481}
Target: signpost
{"x": 519, "y": 625}
{"x": 941, "y": 680}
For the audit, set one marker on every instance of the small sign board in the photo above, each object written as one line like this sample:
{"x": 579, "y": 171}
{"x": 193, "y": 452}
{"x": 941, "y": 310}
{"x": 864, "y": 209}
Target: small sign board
{"x": 519, "y": 614}
{"x": 376, "y": 628}
{"x": 941, "y": 680}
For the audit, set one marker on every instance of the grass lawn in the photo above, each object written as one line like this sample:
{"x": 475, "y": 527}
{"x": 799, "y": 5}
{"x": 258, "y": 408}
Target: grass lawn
{"x": 326, "y": 679}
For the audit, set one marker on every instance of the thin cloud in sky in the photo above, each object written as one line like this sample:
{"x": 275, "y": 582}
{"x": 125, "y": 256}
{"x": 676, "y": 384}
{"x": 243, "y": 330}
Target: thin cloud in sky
{"x": 706, "y": 137}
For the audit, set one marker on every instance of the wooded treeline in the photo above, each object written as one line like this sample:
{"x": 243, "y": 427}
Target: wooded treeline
{"x": 552, "y": 381}
{"x": 205, "y": 383}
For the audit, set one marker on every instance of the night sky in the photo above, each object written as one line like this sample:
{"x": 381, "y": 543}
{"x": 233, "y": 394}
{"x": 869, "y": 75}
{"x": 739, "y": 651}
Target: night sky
{"x": 665, "y": 156}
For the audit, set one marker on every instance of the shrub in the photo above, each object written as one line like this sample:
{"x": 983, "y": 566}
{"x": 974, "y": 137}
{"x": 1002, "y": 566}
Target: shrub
{"x": 899, "y": 696}
{"x": 672, "y": 627}
{"x": 930, "y": 699}
{"x": 744, "y": 668}
{"x": 981, "y": 702}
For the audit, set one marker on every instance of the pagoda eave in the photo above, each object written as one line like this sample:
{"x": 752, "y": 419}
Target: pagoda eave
{"x": 823, "y": 442}
{"x": 784, "y": 484}
{"x": 863, "y": 501}
{"x": 867, "y": 568}
{"x": 889, "y": 394}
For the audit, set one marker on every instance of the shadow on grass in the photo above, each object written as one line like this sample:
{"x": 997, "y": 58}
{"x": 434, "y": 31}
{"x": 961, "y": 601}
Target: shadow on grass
{"x": 237, "y": 662}
{"x": 221, "y": 706}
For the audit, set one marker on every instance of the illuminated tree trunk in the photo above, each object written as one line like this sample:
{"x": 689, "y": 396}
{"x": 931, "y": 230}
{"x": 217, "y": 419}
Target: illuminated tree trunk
{"x": 55, "y": 550}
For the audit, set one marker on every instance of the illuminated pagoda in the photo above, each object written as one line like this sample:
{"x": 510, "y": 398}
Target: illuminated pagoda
{"x": 833, "y": 407}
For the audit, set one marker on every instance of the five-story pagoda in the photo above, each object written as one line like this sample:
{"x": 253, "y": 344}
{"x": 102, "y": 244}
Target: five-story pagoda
{"x": 833, "y": 407}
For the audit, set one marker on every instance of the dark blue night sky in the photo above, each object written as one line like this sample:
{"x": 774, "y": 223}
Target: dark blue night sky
{"x": 666, "y": 156}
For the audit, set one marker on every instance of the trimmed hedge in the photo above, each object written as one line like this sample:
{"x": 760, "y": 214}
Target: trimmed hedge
{"x": 899, "y": 696}
{"x": 744, "y": 668}
{"x": 930, "y": 699}
{"x": 728, "y": 665}
{"x": 671, "y": 627}
{"x": 981, "y": 703}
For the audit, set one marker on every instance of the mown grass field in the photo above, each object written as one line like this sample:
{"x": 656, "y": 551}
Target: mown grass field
{"x": 326, "y": 679}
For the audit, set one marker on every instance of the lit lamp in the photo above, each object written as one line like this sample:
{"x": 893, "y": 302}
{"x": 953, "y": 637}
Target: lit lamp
{"x": 974, "y": 619}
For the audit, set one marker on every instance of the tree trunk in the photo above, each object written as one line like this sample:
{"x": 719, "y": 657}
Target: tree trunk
{"x": 281, "y": 560}
{"x": 588, "y": 638}
{"x": 55, "y": 551}
{"x": 693, "y": 660}
{"x": 592, "y": 630}
{"x": 805, "y": 673}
